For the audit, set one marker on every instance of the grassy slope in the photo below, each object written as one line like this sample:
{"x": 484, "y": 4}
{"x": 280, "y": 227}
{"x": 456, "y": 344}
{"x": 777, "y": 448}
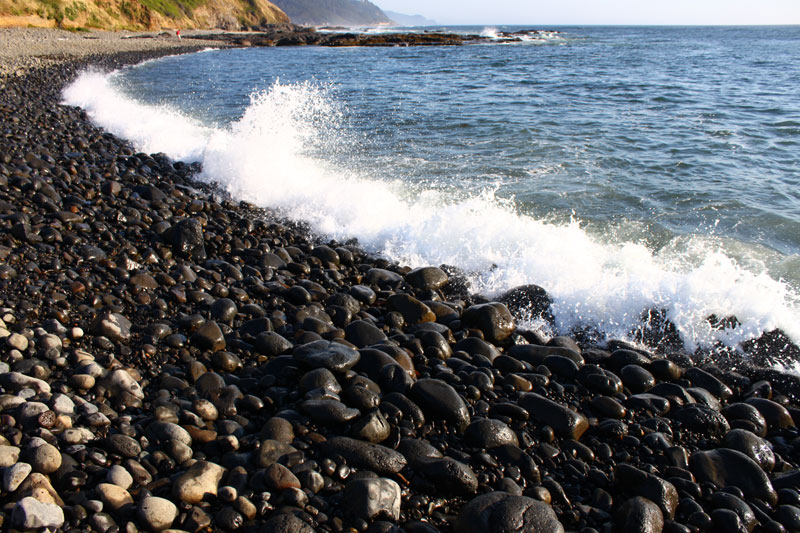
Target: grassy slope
{"x": 141, "y": 14}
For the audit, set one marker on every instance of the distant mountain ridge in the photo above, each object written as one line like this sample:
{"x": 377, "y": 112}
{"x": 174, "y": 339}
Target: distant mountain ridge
{"x": 409, "y": 20}
{"x": 333, "y": 12}
{"x": 142, "y": 14}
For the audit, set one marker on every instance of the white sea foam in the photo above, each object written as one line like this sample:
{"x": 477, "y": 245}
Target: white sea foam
{"x": 265, "y": 157}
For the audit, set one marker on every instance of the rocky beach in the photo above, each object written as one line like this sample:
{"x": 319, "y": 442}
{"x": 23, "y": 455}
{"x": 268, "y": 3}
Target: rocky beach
{"x": 173, "y": 359}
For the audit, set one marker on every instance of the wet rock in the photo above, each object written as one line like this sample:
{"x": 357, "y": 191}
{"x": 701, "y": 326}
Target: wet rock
{"x": 375, "y": 457}
{"x": 271, "y": 344}
{"x": 565, "y": 422}
{"x": 493, "y": 319}
{"x": 446, "y": 476}
{"x": 186, "y": 238}
{"x": 329, "y": 412}
{"x": 373, "y": 427}
{"x": 334, "y": 356}
{"x": 752, "y": 446}
{"x": 413, "y": 311}
{"x": 639, "y": 515}
{"x": 271, "y": 451}
{"x": 501, "y": 512}
{"x": 200, "y": 480}
{"x": 427, "y": 278}
{"x": 651, "y": 487}
{"x": 209, "y": 337}
{"x": 701, "y": 378}
{"x": 114, "y": 326}
{"x": 439, "y": 400}
{"x": 370, "y": 498}
{"x": 723, "y": 467}
{"x": 776, "y": 415}
{"x": 363, "y": 333}
{"x": 702, "y": 420}
{"x": 489, "y": 433}
{"x": 277, "y": 478}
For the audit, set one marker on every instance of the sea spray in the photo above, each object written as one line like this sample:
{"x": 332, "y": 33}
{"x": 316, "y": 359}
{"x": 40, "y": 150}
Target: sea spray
{"x": 274, "y": 155}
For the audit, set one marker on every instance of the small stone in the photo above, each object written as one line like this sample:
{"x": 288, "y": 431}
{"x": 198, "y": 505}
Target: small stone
{"x": 565, "y": 422}
{"x": 427, "y": 278}
{"x": 369, "y": 498}
{"x": 209, "y": 337}
{"x": 650, "y": 486}
{"x": 201, "y": 479}
{"x": 120, "y": 382}
{"x": 493, "y": 319}
{"x": 16, "y": 341}
{"x": 724, "y": 467}
{"x": 504, "y": 512}
{"x": 439, "y": 400}
{"x": 120, "y": 477}
{"x": 334, "y": 356}
{"x": 8, "y": 455}
{"x": 413, "y": 311}
{"x": 375, "y": 457}
{"x": 278, "y": 477}
{"x": 113, "y": 496}
{"x": 14, "y": 475}
{"x": 114, "y": 326}
{"x": 157, "y": 513}
{"x": 45, "y": 458}
{"x": 123, "y": 445}
{"x": 753, "y": 446}
{"x": 639, "y": 515}
{"x": 487, "y": 433}
{"x": 30, "y": 513}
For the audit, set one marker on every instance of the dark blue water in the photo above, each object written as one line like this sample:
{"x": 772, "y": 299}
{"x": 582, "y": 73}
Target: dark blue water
{"x": 620, "y": 168}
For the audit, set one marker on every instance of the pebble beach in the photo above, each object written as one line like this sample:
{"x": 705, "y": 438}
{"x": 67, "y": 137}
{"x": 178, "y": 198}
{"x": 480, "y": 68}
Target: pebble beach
{"x": 174, "y": 360}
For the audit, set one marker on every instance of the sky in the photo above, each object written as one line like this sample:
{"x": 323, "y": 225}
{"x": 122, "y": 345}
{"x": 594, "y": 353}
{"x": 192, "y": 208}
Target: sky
{"x": 579, "y": 12}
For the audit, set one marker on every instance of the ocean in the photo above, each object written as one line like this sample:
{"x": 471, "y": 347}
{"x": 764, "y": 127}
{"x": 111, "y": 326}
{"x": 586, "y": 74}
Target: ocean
{"x": 622, "y": 169}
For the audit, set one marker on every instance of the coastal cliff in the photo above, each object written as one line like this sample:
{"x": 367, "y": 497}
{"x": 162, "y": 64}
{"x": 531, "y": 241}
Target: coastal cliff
{"x": 143, "y": 14}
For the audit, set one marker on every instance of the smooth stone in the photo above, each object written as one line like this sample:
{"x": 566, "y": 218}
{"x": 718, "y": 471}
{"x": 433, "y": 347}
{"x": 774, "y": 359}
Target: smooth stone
{"x": 413, "y": 311}
{"x": 336, "y": 357}
{"x": 209, "y": 337}
{"x": 157, "y": 513}
{"x": 723, "y": 467}
{"x": 271, "y": 344}
{"x": 167, "y": 431}
{"x": 743, "y": 414}
{"x": 30, "y": 513}
{"x": 427, "y": 278}
{"x": 438, "y": 400}
{"x": 475, "y": 346}
{"x": 15, "y": 341}
{"x": 488, "y": 433}
{"x": 565, "y": 422}
{"x": 279, "y": 429}
{"x": 372, "y": 427}
{"x": 123, "y": 445}
{"x": 729, "y": 501}
{"x": 113, "y": 496}
{"x": 448, "y": 476}
{"x": 114, "y": 326}
{"x": 776, "y": 415}
{"x": 636, "y": 378}
{"x": 186, "y": 238}
{"x": 493, "y": 319}
{"x": 9, "y": 455}
{"x": 120, "y": 382}
{"x": 363, "y": 333}
{"x": 501, "y": 512}
{"x": 375, "y": 457}
{"x": 119, "y": 476}
{"x": 14, "y": 475}
{"x": 320, "y": 378}
{"x": 200, "y": 480}
{"x": 329, "y": 412}
{"x": 44, "y": 458}
{"x": 753, "y": 446}
{"x": 529, "y": 301}
{"x": 286, "y": 523}
{"x": 271, "y": 451}
{"x": 702, "y": 420}
{"x": 278, "y": 478}
{"x": 369, "y": 498}
{"x": 16, "y": 381}
{"x": 650, "y": 486}
{"x": 701, "y": 378}
{"x": 639, "y": 515}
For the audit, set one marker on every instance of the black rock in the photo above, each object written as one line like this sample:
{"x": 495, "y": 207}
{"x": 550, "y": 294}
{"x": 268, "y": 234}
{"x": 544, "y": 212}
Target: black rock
{"x": 440, "y": 401}
{"x": 501, "y": 512}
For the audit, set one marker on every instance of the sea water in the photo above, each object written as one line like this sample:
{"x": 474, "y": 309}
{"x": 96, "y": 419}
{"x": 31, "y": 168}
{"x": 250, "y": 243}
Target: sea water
{"x": 621, "y": 169}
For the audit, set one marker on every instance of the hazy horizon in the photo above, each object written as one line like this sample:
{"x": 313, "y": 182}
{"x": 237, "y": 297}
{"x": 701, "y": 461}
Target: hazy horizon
{"x": 611, "y": 13}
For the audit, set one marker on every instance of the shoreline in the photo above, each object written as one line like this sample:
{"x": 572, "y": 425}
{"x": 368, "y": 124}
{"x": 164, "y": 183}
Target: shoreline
{"x": 166, "y": 344}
